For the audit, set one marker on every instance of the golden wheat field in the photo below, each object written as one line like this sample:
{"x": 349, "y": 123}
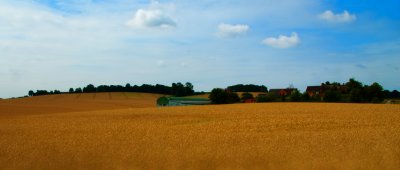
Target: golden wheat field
{"x": 77, "y": 102}
{"x": 238, "y": 136}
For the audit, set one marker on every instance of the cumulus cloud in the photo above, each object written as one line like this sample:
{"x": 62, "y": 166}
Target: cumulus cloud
{"x": 344, "y": 17}
{"x": 282, "y": 41}
{"x": 227, "y": 30}
{"x": 153, "y": 17}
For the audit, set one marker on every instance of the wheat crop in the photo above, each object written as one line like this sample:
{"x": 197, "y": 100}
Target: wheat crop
{"x": 238, "y": 136}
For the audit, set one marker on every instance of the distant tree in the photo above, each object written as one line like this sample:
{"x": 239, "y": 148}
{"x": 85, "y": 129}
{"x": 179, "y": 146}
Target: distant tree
{"x": 305, "y": 97}
{"x": 262, "y": 98}
{"x": 71, "y": 90}
{"x": 78, "y": 90}
{"x": 246, "y": 96}
{"x": 41, "y": 92}
{"x": 89, "y": 89}
{"x": 221, "y": 96}
{"x": 189, "y": 89}
{"x": 356, "y": 95}
{"x": 375, "y": 93}
{"x": 56, "y": 92}
{"x": 295, "y": 96}
{"x": 332, "y": 96}
{"x": 31, "y": 93}
{"x": 233, "y": 97}
{"x": 354, "y": 84}
{"x": 128, "y": 87}
{"x": 218, "y": 96}
{"x": 394, "y": 94}
{"x": 355, "y": 89}
{"x": 103, "y": 88}
{"x": 178, "y": 89}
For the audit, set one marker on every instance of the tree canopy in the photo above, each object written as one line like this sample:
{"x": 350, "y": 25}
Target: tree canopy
{"x": 247, "y": 88}
{"x": 221, "y": 96}
{"x": 177, "y": 89}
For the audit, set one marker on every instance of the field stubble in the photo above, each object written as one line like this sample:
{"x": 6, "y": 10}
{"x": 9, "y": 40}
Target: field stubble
{"x": 277, "y": 135}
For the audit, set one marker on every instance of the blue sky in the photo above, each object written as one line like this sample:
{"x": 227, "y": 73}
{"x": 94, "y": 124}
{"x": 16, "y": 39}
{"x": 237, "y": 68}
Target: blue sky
{"x": 58, "y": 44}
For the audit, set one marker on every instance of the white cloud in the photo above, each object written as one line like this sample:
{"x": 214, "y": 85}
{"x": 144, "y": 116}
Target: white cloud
{"x": 344, "y": 17}
{"x": 282, "y": 41}
{"x": 153, "y": 17}
{"x": 227, "y": 30}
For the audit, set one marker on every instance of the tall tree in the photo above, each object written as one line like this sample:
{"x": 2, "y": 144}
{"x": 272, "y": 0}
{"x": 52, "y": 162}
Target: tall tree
{"x": 31, "y": 93}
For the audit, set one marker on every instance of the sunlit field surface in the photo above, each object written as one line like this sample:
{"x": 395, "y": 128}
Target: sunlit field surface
{"x": 239, "y": 136}
{"x": 77, "y": 102}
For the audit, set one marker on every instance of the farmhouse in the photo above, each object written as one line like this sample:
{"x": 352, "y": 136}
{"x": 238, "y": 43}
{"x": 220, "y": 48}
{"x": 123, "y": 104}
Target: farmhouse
{"x": 313, "y": 90}
{"x": 282, "y": 92}
{"x": 320, "y": 90}
{"x": 181, "y": 101}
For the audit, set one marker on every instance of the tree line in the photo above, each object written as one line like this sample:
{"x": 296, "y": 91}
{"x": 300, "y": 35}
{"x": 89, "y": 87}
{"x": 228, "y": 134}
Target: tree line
{"x": 247, "y": 88}
{"x": 352, "y": 91}
{"x": 176, "y": 89}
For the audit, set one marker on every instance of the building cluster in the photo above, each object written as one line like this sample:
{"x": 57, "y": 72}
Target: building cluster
{"x": 312, "y": 91}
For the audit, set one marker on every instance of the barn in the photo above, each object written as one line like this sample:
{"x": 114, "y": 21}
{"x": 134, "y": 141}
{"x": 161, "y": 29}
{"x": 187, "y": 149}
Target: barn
{"x": 181, "y": 101}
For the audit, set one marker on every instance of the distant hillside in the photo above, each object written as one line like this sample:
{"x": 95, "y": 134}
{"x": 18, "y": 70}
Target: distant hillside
{"x": 62, "y": 103}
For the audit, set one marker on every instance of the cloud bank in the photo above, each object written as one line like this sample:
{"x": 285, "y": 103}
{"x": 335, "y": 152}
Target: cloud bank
{"x": 228, "y": 30}
{"x": 282, "y": 41}
{"x": 344, "y": 17}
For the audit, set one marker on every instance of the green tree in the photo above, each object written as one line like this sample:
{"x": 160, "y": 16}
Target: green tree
{"x": 31, "y": 93}
{"x": 305, "y": 97}
{"x": 71, "y": 90}
{"x": 218, "y": 96}
{"x": 375, "y": 93}
{"x": 246, "y": 96}
{"x": 354, "y": 84}
{"x": 89, "y": 89}
{"x": 189, "y": 89}
{"x": 128, "y": 87}
{"x": 78, "y": 90}
{"x": 332, "y": 96}
{"x": 356, "y": 95}
{"x": 233, "y": 98}
{"x": 178, "y": 89}
{"x": 261, "y": 98}
{"x": 221, "y": 96}
{"x": 295, "y": 96}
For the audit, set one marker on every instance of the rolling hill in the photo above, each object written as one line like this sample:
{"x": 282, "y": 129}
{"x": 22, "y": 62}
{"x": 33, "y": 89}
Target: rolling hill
{"x": 77, "y": 102}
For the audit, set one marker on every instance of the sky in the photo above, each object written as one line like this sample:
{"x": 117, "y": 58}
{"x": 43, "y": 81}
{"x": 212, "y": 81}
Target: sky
{"x": 58, "y": 44}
